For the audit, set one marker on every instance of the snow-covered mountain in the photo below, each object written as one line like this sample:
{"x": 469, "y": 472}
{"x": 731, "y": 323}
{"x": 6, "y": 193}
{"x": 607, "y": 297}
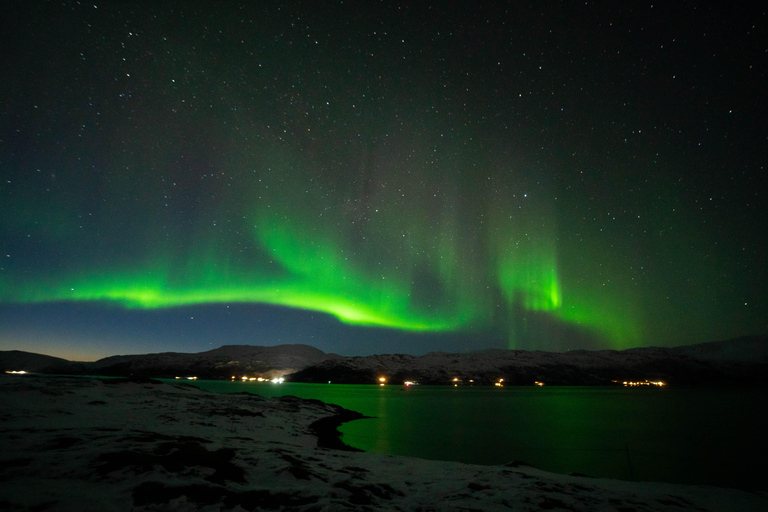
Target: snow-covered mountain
{"x": 746, "y": 349}
{"x": 742, "y": 360}
{"x": 734, "y": 361}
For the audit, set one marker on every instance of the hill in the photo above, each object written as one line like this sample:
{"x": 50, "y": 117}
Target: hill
{"x": 18, "y": 360}
{"x": 740, "y": 360}
{"x": 220, "y": 363}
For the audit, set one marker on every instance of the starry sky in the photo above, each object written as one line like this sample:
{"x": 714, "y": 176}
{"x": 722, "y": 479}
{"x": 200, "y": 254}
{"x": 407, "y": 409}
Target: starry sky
{"x": 377, "y": 177}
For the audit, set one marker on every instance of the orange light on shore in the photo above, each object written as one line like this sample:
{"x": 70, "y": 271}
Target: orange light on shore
{"x": 644, "y": 383}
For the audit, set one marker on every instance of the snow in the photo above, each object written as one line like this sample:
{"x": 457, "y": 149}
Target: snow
{"x": 579, "y": 367}
{"x": 92, "y": 444}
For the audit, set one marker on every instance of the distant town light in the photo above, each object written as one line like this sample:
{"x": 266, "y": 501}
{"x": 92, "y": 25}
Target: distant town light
{"x": 644, "y": 383}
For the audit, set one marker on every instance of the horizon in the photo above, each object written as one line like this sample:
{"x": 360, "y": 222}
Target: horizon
{"x": 387, "y": 178}
{"x": 361, "y": 355}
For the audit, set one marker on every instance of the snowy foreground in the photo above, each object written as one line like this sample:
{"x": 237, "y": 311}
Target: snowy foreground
{"x": 77, "y": 444}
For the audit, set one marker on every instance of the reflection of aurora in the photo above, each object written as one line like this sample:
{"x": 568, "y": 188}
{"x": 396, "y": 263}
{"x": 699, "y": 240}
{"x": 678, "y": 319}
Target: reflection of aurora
{"x": 411, "y": 251}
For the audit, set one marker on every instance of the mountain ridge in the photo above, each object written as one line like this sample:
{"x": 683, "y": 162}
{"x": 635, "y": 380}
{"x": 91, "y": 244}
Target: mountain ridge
{"x": 219, "y": 363}
{"x": 739, "y": 360}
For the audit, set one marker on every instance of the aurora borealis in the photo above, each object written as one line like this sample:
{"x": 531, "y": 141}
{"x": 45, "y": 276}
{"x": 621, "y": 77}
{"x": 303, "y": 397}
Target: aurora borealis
{"x": 380, "y": 176}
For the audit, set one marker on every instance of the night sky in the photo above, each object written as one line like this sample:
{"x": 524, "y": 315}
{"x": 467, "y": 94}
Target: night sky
{"x": 377, "y": 177}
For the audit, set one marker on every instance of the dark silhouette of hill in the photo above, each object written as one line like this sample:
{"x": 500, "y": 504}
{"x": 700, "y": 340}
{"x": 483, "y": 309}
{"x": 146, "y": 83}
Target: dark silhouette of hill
{"x": 18, "y": 360}
{"x": 220, "y": 363}
{"x": 744, "y": 349}
{"x": 742, "y": 360}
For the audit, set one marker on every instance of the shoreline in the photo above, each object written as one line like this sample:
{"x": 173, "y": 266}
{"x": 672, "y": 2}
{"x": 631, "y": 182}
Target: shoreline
{"x": 74, "y": 443}
{"x": 327, "y": 430}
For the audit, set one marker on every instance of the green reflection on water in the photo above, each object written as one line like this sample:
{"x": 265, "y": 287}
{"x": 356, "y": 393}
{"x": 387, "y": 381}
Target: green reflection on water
{"x": 691, "y": 435}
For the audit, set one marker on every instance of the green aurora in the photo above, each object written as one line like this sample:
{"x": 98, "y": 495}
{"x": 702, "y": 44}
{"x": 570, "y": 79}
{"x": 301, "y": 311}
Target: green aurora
{"x": 420, "y": 172}
{"x": 409, "y": 258}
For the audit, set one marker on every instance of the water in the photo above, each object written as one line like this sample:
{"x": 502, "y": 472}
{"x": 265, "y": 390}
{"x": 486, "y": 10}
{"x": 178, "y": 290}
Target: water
{"x": 713, "y": 436}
